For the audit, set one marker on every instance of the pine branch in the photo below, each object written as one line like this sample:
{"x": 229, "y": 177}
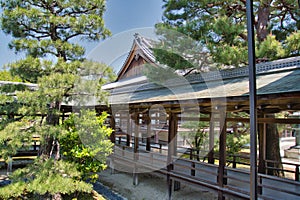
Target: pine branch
{"x": 75, "y": 13}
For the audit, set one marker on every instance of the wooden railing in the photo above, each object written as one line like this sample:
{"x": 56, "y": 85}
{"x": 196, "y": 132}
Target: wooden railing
{"x": 23, "y": 156}
{"x": 233, "y": 160}
{"x": 236, "y": 182}
{"x": 271, "y": 165}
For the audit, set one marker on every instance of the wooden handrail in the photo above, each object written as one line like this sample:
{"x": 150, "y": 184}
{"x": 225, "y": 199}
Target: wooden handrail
{"x": 180, "y": 172}
{"x": 234, "y": 161}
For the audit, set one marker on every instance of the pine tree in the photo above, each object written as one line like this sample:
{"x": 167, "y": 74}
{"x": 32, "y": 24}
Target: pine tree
{"x": 46, "y": 33}
{"x": 220, "y": 27}
{"x": 219, "y": 32}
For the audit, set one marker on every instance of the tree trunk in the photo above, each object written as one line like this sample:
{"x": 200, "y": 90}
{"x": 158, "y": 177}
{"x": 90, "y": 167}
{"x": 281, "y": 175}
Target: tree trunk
{"x": 51, "y": 145}
{"x": 273, "y": 149}
{"x": 198, "y": 154}
{"x": 262, "y": 20}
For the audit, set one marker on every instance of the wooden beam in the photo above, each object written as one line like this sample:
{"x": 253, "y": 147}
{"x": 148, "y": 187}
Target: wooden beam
{"x": 247, "y": 120}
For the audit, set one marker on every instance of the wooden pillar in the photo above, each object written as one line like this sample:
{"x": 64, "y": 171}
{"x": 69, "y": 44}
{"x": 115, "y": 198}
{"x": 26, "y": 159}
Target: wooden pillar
{"x": 136, "y": 146}
{"x": 222, "y": 151}
{"x": 112, "y": 139}
{"x": 120, "y": 121}
{"x": 148, "y": 122}
{"x": 63, "y": 117}
{"x": 136, "y": 132}
{"x": 211, "y": 139}
{"x": 113, "y": 126}
{"x": 172, "y": 143}
{"x": 262, "y": 150}
{"x": 129, "y": 130}
{"x": 262, "y": 146}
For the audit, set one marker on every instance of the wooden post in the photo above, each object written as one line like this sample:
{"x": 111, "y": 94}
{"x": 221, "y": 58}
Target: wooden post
{"x": 129, "y": 130}
{"x": 175, "y": 119}
{"x": 262, "y": 146}
{"x": 120, "y": 121}
{"x": 262, "y": 150}
{"x": 148, "y": 122}
{"x": 113, "y": 126}
{"x": 63, "y": 117}
{"x": 193, "y": 171}
{"x": 136, "y": 132}
{"x": 113, "y": 140}
{"x": 211, "y": 139}
{"x": 222, "y": 150}
{"x": 170, "y": 154}
{"x": 173, "y": 126}
{"x": 297, "y": 172}
{"x": 136, "y": 146}
{"x": 234, "y": 161}
{"x": 135, "y": 176}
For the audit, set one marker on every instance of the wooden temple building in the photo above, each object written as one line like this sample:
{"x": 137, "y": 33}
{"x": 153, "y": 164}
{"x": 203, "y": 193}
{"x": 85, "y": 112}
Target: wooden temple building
{"x": 148, "y": 117}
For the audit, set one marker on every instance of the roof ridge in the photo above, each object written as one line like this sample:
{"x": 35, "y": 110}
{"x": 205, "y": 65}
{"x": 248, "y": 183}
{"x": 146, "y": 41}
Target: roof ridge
{"x": 145, "y": 45}
{"x": 261, "y": 68}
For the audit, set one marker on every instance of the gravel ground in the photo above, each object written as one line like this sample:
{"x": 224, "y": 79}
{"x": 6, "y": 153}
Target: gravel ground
{"x": 106, "y": 192}
{"x": 151, "y": 186}
{"x": 119, "y": 186}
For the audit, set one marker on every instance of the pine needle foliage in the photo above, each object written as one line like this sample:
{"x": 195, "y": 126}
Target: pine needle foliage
{"x": 54, "y": 65}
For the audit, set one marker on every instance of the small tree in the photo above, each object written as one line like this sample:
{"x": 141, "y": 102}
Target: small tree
{"x": 235, "y": 143}
{"x": 88, "y": 149}
{"x": 238, "y": 136}
{"x": 197, "y": 136}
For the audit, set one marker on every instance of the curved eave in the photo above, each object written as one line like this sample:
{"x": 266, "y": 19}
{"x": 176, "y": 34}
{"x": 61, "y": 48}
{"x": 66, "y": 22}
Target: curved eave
{"x": 140, "y": 47}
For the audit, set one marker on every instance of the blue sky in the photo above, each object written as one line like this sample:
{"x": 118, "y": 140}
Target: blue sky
{"x": 122, "y": 17}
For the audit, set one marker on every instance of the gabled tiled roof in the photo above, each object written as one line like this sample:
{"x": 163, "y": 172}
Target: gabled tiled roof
{"x": 141, "y": 47}
{"x": 145, "y": 45}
